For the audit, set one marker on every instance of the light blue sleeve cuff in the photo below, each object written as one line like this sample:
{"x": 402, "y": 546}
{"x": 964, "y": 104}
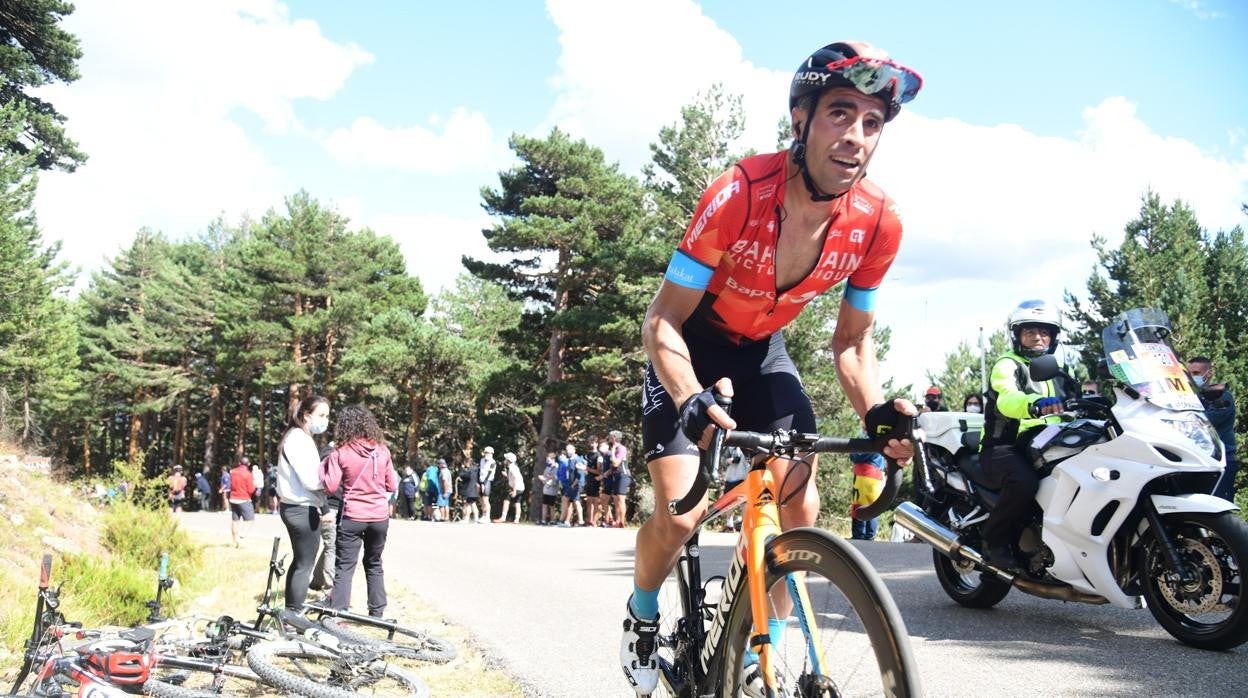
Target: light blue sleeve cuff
{"x": 688, "y": 272}
{"x": 860, "y": 298}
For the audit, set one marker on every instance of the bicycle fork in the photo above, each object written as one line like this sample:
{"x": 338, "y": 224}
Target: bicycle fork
{"x": 762, "y": 521}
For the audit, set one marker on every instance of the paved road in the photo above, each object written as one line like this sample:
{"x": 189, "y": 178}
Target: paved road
{"x": 547, "y": 603}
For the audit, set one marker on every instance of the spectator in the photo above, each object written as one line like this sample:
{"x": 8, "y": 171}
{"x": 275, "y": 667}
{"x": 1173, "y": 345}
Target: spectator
{"x": 177, "y": 489}
{"x": 242, "y": 490}
{"x": 623, "y": 477}
{"x": 361, "y": 465}
{"x": 257, "y": 478}
{"x": 1219, "y": 407}
{"x": 469, "y": 490}
{"x": 515, "y": 488}
{"x": 595, "y": 464}
{"x": 932, "y": 400}
{"x": 485, "y": 478}
{"x": 734, "y": 474}
{"x": 224, "y": 489}
{"x": 868, "y": 483}
{"x": 550, "y": 490}
{"x": 445, "y": 488}
{"x": 327, "y": 560}
{"x": 301, "y": 497}
{"x": 1090, "y": 388}
{"x": 572, "y": 470}
{"x": 431, "y": 490}
{"x": 408, "y": 487}
{"x": 270, "y": 489}
{"x": 973, "y": 403}
{"x": 204, "y": 489}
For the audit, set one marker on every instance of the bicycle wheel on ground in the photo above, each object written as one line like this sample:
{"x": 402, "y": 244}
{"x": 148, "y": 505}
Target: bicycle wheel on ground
{"x": 310, "y": 671}
{"x": 185, "y": 677}
{"x": 672, "y": 639}
{"x": 860, "y": 646}
{"x": 399, "y": 642}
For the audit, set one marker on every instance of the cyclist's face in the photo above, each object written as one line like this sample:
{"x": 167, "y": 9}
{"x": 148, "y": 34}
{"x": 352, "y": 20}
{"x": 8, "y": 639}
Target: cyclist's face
{"x": 845, "y": 128}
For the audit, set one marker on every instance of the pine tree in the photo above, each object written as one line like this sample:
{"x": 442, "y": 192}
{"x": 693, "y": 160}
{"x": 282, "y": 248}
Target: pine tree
{"x": 35, "y": 51}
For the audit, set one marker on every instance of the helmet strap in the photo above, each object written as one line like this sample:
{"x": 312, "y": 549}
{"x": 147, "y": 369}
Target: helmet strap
{"x": 799, "y": 156}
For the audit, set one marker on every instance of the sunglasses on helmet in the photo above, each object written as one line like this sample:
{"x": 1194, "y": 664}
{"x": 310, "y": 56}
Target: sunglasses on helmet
{"x": 871, "y": 75}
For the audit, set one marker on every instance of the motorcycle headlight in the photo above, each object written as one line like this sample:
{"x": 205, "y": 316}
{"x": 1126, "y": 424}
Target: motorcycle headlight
{"x": 1197, "y": 430}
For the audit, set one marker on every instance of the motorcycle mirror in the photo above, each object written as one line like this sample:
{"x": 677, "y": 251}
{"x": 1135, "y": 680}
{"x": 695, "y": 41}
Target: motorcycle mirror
{"x": 1044, "y": 368}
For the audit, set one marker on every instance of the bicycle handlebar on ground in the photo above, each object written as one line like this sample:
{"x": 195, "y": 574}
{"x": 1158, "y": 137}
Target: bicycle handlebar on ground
{"x": 790, "y": 443}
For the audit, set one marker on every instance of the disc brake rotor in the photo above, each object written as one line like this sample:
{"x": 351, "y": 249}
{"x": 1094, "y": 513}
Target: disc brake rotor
{"x": 1202, "y": 595}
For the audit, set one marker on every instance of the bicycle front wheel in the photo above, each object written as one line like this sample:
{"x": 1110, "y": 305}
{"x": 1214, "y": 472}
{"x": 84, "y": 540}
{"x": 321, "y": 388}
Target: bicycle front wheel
{"x": 844, "y": 635}
{"x": 395, "y": 640}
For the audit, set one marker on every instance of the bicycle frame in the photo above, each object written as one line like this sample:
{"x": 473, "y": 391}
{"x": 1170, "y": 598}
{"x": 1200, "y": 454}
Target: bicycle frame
{"x": 760, "y": 523}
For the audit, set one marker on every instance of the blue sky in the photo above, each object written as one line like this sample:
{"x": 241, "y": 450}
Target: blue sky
{"x": 1038, "y": 126}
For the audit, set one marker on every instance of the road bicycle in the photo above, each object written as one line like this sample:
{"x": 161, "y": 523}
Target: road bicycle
{"x": 848, "y": 638}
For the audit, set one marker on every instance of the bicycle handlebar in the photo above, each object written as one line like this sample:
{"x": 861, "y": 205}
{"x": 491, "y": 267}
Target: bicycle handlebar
{"x": 792, "y": 442}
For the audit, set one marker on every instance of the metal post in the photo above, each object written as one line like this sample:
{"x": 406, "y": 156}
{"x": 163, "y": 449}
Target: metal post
{"x": 983, "y": 364}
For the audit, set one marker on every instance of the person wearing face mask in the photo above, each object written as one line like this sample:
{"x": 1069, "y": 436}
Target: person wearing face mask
{"x": 973, "y": 403}
{"x": 1017, "y": 408}
{"x": 932, "y": 400}
{"x": 301, "y": 497}
{"x": 1220, "y": 409}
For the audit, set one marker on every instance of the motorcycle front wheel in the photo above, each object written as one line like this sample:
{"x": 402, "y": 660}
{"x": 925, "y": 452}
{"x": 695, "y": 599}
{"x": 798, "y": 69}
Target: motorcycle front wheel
{"x": 1209, "y": 610}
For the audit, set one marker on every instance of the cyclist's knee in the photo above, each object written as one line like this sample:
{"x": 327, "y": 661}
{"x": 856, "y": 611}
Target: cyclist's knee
{"x": 675, "y": 530}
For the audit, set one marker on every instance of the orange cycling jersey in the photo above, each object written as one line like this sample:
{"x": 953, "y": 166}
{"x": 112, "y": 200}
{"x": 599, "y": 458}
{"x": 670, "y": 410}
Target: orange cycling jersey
{"x": 730, "y": 250}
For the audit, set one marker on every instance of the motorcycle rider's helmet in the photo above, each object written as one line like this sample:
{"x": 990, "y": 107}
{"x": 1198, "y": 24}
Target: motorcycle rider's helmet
{"x": 1031, "y": 313}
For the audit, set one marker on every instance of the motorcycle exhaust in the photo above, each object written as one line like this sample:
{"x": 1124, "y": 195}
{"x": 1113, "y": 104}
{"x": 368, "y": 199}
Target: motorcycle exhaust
{"x": 946, "y": 541}
{"x": 934, "y": 534}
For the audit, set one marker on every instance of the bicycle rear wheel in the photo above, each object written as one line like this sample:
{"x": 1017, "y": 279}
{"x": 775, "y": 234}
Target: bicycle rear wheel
{"x": 862, "y": 646}
{"x": 311, "y": 671}
{"x": 190, "y": 677}
{"x": 405, "y": 642}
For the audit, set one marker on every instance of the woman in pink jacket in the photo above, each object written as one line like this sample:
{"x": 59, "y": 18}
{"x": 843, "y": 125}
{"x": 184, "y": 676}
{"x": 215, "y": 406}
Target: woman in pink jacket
{"x": 360, "y": 464}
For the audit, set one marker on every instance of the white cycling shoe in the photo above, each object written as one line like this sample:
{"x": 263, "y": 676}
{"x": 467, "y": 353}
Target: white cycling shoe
{"x": 639, "y": 652}
{"x": 752, "y": 680}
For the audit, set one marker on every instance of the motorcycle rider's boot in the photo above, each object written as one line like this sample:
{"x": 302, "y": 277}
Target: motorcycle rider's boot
{"x": 1003, "y": 557}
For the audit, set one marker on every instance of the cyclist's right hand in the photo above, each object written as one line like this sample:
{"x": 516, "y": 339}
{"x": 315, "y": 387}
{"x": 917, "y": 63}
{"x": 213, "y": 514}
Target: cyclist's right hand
{"x": 699, "y": 411}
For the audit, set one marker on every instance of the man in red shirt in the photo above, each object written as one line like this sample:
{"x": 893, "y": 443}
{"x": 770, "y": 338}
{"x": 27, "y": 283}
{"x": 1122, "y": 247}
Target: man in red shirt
{"x": 768, "y": 237}
{"x": 242, "y": 487}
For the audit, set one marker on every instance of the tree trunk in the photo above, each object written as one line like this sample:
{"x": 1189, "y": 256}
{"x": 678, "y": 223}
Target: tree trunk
{"x": 417, "y": 404}
{"x": 296, "y": 357}
{"x": 136, "y": 428}
{"x": 86, "y": 448}
{"x": 240, "y": 424}
{"x": 554, "y": 375}
{"x": 179, "y": 431}
{"x": 261, "y": 435}
{"x": 27, "y": 422}
{"x": 331, "y": 344}
{"x": 214, "y": 425}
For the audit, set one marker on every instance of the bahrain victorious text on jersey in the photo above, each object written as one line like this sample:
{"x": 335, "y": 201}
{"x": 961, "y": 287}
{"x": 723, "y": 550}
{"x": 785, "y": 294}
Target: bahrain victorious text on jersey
{"x": 732, "y": 239}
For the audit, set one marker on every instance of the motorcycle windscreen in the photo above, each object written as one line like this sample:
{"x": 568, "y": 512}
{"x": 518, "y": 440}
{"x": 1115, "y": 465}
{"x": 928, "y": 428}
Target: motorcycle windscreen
{"x": 1137, "y": 354}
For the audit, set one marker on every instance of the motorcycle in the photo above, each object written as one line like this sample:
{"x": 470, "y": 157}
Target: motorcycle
{"x": 1122, "y": 515}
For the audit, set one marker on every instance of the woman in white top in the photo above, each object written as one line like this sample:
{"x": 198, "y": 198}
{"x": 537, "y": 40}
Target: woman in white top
{"x": 300, "y": 493}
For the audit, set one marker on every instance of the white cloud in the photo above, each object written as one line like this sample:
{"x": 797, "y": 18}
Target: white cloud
{"x": 995, "y": 215}
{"x": 466, "y": 143}
{"x": 161, "y": 84}
{"x": 434, "y": 244}
{"x": 1200, "y": 9}
{"x": 626, "y": 69}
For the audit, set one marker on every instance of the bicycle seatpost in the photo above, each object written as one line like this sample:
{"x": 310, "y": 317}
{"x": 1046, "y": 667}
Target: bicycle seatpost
{"x": 708, "y": 463}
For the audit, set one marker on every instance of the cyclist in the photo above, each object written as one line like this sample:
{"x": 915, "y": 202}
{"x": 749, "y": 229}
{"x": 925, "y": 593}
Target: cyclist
{"x": 1016, "y": 407}
{"x": 769, "y": 236}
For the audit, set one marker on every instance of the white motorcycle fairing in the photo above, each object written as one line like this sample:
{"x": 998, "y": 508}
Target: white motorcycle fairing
{"x": 1089, "y": 495}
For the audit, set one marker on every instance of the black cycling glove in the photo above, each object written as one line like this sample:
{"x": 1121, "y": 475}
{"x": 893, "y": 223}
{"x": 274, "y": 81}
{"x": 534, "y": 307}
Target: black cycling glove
{"x": 694, "y": 413}
{"x": 882, "y": 419}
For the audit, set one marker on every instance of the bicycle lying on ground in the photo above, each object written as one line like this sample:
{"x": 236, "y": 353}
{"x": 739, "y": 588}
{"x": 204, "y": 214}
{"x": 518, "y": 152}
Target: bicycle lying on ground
{"x": 849, "y": 637}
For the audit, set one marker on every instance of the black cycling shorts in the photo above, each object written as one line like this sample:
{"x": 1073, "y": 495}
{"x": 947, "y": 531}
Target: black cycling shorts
{"x": 768, "y": 393}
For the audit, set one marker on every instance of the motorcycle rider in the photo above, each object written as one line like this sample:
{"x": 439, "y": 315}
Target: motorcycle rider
{"x": 1017, "y": 407}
